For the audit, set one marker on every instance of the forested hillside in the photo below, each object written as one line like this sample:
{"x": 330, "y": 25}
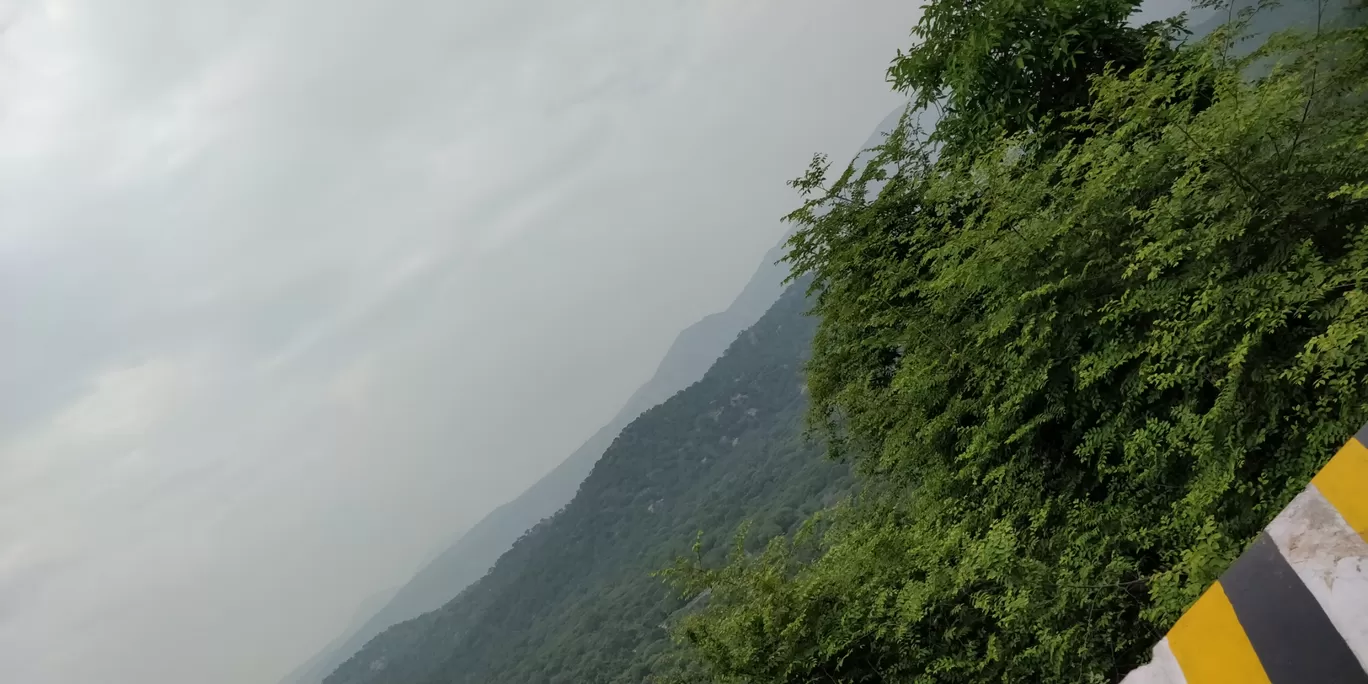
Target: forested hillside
{"x": 474, "y": 552}
{"x": 574, "y": 600}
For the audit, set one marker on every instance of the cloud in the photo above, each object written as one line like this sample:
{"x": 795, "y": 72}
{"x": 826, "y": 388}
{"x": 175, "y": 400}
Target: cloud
{"x": 293, "y": 292}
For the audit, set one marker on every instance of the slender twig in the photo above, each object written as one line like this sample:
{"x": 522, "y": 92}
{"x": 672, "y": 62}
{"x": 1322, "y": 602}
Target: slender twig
{"x": 1310, "y": 96}
{"x": 1157, "y": 636}
{"x": 1229, "y": 45}
{"x": 1118, "y": 585}
{"x": 1239, "y": 177}
{"x": 1277, "y": 151}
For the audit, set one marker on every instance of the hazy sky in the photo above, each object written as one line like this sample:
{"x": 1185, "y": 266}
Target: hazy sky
{"x": 292, "y": 292}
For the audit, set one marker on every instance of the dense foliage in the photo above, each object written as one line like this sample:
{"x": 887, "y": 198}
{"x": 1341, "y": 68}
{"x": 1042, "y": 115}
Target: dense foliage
{"x": 1008, "y": 66}
{"x": 1085, "y": 362}
{"x": 574, "y": 600}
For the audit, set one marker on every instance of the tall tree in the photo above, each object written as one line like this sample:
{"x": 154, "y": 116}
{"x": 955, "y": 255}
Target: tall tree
{"x": 1008, "y": 66}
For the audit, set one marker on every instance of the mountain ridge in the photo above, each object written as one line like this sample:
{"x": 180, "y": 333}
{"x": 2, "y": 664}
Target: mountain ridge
{"x": 476, "y": 550}
{"x": 573, "y": 600}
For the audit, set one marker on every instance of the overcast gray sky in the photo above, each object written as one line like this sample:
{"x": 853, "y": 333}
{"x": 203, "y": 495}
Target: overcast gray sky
{"x": 292, "y": 292}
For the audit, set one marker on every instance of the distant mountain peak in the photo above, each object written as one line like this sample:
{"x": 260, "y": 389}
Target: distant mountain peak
{"x": 450, "y": 572}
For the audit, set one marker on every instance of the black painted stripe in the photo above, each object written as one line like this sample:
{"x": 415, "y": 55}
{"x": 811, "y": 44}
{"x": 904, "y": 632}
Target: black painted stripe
{"x": 1294, "y": 639}
{"x": 1362, "y": 435}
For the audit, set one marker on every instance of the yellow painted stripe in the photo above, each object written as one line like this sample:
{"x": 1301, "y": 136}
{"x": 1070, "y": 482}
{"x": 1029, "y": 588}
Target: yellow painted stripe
{"x": 1344, "y": 483}
{"x": 1210, "y": 645}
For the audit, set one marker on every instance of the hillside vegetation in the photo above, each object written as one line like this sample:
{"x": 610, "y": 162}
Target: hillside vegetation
{"x": 1089, "y": 349}
{"x": 474, "y": 552}
{"x": 574, "y": 599}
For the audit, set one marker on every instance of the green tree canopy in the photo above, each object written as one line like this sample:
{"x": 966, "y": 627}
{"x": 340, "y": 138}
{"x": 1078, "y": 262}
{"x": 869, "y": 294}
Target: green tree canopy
{"x": 1008, "y": 66}
{"x": 1082, "y": 371}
